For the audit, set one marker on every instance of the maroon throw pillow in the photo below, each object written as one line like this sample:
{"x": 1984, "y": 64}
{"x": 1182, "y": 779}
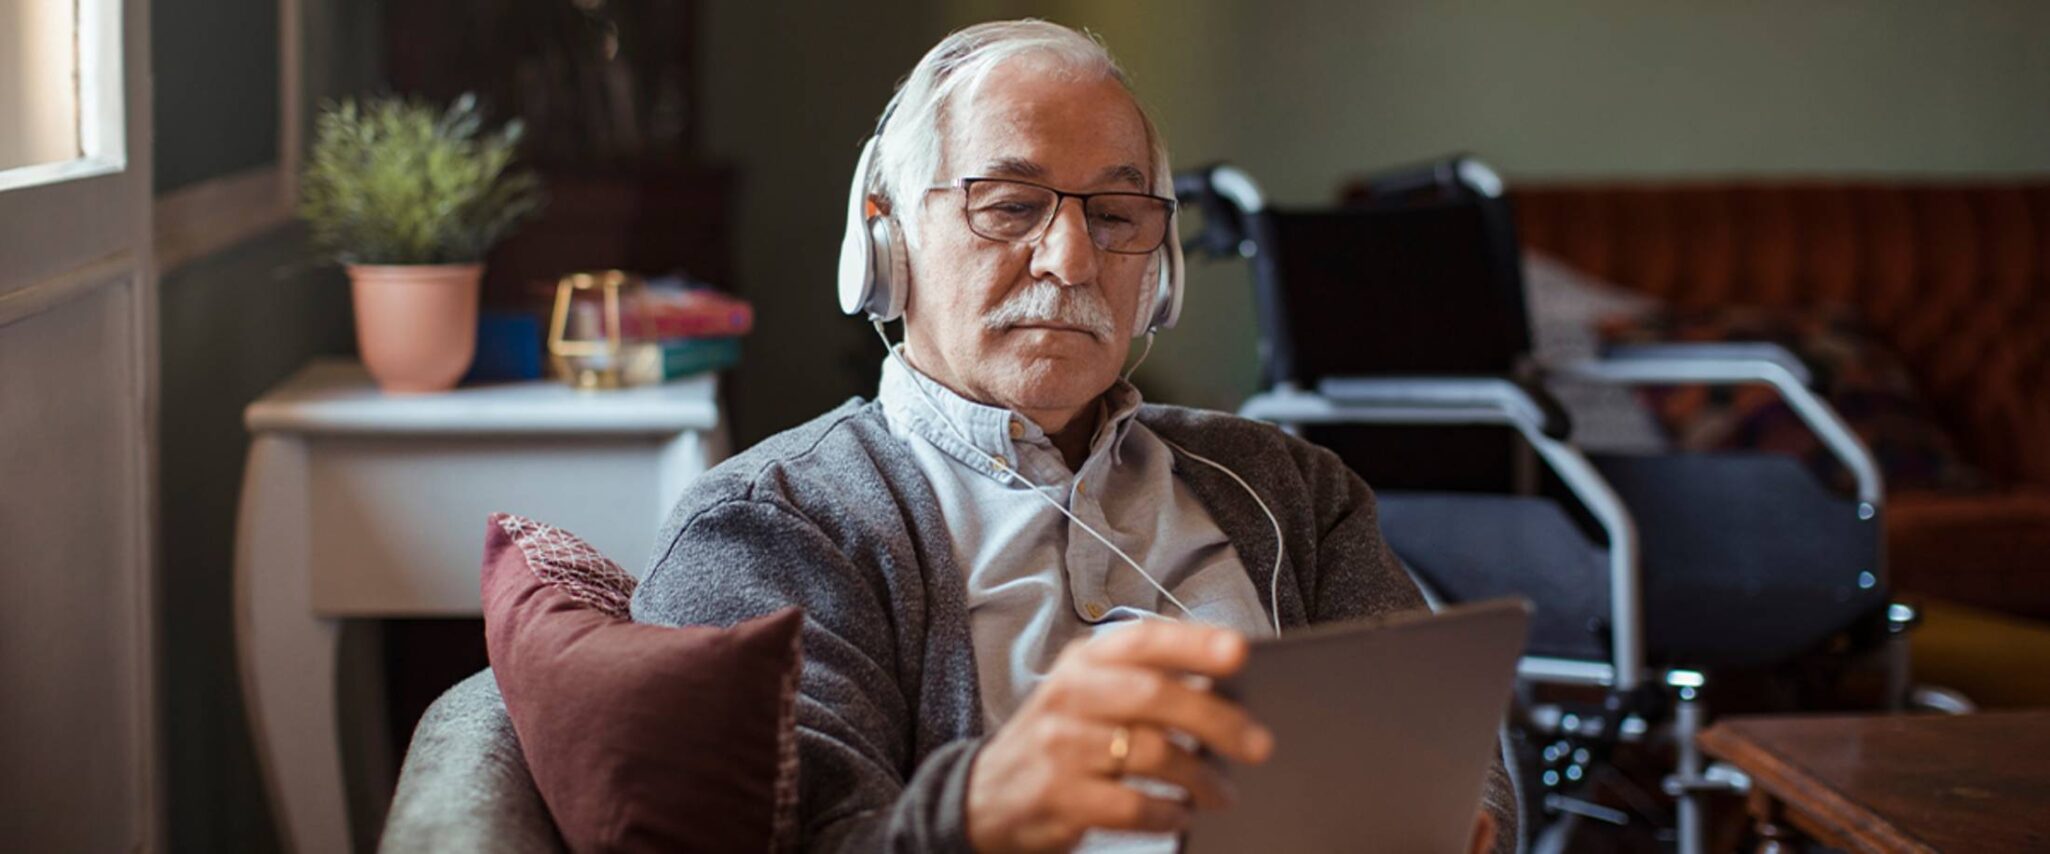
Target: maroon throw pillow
{"x": 639, "y": 737}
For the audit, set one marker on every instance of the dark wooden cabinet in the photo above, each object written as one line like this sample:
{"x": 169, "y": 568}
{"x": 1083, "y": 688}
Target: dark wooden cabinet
{"x": 651, "y": 221}
{"x": 608, "y": 95}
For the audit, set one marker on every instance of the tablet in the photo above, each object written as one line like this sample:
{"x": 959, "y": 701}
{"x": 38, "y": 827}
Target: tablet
{"x": 1383, "y": 733}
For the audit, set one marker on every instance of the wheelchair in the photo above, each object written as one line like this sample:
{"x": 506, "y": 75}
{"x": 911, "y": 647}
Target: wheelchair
{"x": 1394, "y": 330}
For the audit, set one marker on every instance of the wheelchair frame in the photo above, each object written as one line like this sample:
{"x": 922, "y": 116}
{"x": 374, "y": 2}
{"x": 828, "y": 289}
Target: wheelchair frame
{"x": 1502, "y": 402}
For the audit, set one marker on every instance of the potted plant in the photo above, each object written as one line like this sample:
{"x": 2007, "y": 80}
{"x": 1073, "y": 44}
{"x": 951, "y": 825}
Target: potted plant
{"x": 409, "y": 198}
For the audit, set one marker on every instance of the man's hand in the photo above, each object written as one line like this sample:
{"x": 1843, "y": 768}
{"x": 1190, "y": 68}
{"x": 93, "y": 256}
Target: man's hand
{"x": 1052, "y": 771}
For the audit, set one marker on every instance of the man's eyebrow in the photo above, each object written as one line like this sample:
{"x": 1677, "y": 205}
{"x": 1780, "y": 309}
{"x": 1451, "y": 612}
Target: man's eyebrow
{"x": 1014, "y": 167}
{"x": 1018, "y": 167}
{"x": 1123, "y": 173}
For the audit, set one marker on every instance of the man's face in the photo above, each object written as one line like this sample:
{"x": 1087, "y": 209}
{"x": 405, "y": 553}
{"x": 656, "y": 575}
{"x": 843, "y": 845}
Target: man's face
{"x": 1028, "y": 122}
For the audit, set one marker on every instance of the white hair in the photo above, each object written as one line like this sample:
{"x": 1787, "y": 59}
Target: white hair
{"x": 908, "y": 156}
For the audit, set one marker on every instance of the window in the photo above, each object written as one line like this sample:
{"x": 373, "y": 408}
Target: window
{"x": 60, "y": 90}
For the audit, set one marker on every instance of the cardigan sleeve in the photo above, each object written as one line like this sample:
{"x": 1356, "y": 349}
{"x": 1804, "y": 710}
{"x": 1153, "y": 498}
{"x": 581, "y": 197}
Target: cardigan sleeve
{"x": 860, "y": 788}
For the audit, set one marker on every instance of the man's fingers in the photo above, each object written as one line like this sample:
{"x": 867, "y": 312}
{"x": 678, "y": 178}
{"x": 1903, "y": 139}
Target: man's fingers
{"x": 1157, "y": 758}
{"x": 1163, "y": 645}
{"x": 1113, "y": 806}
{"x": 1117, "y": 695}
{"x": 1150, "y": 754}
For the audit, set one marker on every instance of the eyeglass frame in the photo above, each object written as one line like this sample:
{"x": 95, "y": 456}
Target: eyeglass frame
{"x": 1060, "y": 197}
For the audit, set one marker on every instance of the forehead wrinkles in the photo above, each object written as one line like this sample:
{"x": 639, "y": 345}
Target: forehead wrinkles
{"x": 973, "y": 117}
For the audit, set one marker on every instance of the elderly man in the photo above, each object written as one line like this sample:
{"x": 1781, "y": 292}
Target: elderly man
{"x": 1009, "y": 566}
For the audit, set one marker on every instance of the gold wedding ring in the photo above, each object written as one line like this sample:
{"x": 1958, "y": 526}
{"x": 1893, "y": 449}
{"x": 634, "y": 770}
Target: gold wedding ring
{"x": 1120, "y": 749}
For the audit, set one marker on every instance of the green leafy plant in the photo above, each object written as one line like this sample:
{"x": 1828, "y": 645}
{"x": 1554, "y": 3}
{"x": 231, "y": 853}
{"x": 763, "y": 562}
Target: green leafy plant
{"x": 396, "y": 181}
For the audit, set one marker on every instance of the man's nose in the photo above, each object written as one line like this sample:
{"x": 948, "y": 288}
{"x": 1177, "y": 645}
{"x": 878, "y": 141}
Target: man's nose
{"x": 1065, "y": 253}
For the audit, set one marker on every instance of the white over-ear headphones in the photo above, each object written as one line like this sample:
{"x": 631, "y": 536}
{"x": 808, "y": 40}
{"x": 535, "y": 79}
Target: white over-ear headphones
{"x": 875, "y": 265}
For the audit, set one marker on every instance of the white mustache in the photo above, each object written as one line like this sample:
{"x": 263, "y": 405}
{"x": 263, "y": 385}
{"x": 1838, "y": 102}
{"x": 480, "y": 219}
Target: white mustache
{"x": 1045, "y": 302}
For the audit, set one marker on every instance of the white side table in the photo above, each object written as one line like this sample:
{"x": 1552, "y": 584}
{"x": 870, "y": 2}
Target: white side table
{"x": 357, "y": 505}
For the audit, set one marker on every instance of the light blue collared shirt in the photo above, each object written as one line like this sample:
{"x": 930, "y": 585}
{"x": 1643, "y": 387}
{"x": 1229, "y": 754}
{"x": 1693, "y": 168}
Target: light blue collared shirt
{"x": 1036, "y": 580}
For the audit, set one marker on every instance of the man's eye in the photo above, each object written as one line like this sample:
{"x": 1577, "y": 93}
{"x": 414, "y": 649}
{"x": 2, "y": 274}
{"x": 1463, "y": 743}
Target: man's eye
{"x": 1112, "y": 219}
{"x": 1012, "y": 209}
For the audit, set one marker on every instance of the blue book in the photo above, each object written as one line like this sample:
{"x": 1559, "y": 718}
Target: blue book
{"x": 508, "y": 348}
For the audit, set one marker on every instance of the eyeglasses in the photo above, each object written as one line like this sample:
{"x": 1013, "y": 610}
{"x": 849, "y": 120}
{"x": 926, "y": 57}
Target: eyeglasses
{"x": 1020, "y": 211}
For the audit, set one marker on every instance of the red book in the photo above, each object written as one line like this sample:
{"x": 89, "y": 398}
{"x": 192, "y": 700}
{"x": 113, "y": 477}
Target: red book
{"x": 690, "y": 313}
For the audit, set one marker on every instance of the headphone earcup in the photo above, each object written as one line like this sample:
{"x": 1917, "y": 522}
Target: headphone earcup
{"x": 1163, "y": 303}
{"x": 1149, "y": 301}
{"x": 892, "y": 270}
{"x": 857, "y": 279}
{"x": 1165, "y": 306}
{"x": 1172, "y": 286}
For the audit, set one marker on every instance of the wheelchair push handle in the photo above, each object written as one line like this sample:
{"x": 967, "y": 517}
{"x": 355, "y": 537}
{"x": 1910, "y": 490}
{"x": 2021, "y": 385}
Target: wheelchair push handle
{"x": 1459, "y": 176}
{"x": 1223, "y": 222}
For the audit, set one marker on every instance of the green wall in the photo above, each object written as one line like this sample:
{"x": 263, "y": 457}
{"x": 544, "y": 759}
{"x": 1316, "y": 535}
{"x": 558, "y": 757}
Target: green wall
{"x": 1302, "y": 94}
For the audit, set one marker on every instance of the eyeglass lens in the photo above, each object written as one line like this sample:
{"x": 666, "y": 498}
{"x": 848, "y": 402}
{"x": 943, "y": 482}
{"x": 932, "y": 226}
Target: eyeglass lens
{"x": 1118, "y": 222}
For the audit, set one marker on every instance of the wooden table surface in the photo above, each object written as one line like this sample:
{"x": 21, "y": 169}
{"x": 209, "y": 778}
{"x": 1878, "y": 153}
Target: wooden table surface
{"x": 1899, "y": 783}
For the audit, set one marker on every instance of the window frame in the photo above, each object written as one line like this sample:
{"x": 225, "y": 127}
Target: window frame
{"x": 102, "y": 103}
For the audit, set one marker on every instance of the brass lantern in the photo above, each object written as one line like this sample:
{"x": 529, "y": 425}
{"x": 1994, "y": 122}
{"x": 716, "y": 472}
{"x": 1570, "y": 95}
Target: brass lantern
{"x": 587, "y": 343}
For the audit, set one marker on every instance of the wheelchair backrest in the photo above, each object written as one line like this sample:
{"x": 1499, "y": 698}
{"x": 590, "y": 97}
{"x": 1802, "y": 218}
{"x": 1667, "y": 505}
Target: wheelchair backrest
{"x": 1417, "y": 274}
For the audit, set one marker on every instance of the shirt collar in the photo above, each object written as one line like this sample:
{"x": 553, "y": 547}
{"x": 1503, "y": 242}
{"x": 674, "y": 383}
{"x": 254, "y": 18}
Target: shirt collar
{"x": 988, "y": 431}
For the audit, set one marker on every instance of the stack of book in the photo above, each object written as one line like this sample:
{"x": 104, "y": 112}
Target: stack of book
{"x": 691, "y": 330}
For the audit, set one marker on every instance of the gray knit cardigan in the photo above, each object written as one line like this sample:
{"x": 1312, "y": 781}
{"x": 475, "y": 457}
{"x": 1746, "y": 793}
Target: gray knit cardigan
{"x": 835, "y": 516}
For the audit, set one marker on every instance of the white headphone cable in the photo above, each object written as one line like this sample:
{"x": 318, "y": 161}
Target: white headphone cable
{"x": 1143, "y": 353}
{"x": 1274, "y": 582}
{"x": 1274, "y": 577}
{"x": 1012, "y": 474}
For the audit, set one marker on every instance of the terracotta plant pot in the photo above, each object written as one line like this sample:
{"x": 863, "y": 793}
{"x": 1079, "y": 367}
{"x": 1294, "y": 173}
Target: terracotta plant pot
{"x": 416, "y": 325}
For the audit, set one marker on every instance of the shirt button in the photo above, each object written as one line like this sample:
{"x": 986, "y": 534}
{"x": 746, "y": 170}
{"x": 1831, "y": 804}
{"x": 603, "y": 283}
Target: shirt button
{"x": 1094, "y": 611}
{"x": 1017, "y": 429}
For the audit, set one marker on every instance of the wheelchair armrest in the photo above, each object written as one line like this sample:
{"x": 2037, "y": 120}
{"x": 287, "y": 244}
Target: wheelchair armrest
{"x": 1525, "y": 402}
{"x": 1727, "y": 354}
{"x": 1726, "y": 364}
{"x": 1487, "y": 400}
{"x": 1415, "y": 400}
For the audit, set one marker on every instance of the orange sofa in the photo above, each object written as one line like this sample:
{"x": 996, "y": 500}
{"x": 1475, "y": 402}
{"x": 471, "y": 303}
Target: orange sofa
{"x": 1955, "y": 277}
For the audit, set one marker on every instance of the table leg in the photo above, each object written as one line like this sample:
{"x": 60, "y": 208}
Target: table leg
{"x": 287, "y": 655}
{"x": 1774, "y": 836}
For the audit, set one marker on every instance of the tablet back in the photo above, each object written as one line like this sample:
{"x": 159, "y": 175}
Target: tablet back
{"x": 1384, "y": 731}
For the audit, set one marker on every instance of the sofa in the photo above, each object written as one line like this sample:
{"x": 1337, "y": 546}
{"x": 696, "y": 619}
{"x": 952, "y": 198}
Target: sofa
{"x": 465, "y": 785}
{"x": 1953, "y": 277}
